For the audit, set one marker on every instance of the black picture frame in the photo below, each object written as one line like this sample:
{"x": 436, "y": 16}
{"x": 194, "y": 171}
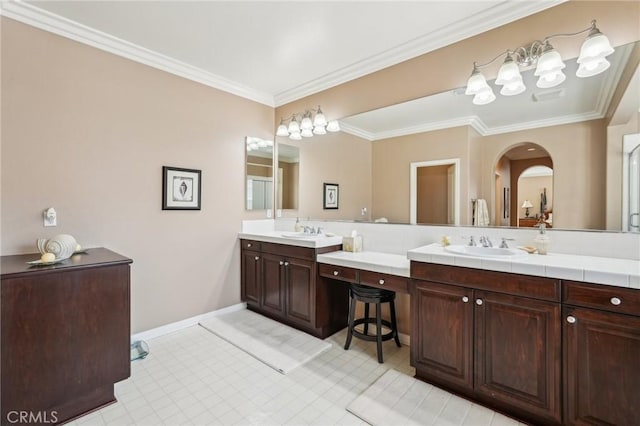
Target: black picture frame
{"x": 181, "y": 188}
{"x": 331, "y": 196}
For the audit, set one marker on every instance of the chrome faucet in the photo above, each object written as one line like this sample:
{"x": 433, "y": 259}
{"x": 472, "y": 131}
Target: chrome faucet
{"x": 472, "y": 241}
{"x": 504, "y": 244}
{"x": 485, "y": 241}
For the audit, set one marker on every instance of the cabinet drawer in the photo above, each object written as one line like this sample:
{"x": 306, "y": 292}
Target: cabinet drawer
{"x": 608, "y": 298}
{"x": 501, "y": 282}
{"x": 286, "y": 250}
{"x": 339, "y": 273}
{"x": 250, "y": 245}
{"x": 388, "y": 282}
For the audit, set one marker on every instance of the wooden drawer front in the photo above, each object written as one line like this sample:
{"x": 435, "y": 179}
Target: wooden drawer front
{"x": 502, "y": 282}
{"x": 388, "y": 282}
{"x": 598, "y": 296}
{"x": 286, "y": 250}
{"x": 250, "y": 245}
{"x": 339, "y": 273}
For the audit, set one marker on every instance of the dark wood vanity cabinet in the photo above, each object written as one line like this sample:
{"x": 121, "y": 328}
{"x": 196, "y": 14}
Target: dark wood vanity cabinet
{"x": 65, "y": 335}
{"x": 280, "y": 281}
{"x": 601, "y": 329}
{"x": 492, "y": 336}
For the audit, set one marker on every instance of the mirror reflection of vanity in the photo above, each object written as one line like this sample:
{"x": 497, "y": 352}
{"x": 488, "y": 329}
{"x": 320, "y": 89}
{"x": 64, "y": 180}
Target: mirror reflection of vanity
{"x": 586, "y": 186}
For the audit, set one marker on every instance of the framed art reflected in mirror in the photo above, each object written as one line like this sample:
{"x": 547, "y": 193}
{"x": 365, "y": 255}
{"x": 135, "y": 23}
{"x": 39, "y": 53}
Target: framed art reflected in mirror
{"x": 331, "y": 196}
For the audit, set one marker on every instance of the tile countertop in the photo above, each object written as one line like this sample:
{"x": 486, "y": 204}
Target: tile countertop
{"x": 280, "y": 237}
{"x": 385, "y": 263}
{"x": 599, "y": 270}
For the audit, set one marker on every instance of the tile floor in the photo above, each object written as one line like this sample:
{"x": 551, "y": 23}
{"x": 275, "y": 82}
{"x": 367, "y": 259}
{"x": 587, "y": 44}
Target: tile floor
{"x": 193, "y": 377}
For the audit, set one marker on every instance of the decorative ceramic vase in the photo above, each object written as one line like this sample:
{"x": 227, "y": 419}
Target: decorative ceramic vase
{"x": 62, "y": 246}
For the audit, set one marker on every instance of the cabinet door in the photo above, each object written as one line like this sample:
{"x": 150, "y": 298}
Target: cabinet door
{"x": 442, "y": 333}
{"x": 602, "y": 377}
{"x": 300, "y": 288}
{"x": 251, "y": 275}
{"x": 272, "y": 283}
{"x": 517, "y": 355}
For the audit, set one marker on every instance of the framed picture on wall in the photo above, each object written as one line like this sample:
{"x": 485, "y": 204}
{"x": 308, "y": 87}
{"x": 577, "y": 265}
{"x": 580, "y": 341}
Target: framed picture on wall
{"x": 331, "y": 196}
{"x": 181, "y": 188}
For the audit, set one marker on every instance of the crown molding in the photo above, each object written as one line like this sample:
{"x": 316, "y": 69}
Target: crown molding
{"x": 44, "y": 20}
{"x": 492, "y": 18}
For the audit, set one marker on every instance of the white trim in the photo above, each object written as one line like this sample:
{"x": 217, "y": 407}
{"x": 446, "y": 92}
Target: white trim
{"x": 498, "y": 15}
{"x": 44, "y": 20}
{"x": 179, "y": 325}
{"x": 413, "y": 201}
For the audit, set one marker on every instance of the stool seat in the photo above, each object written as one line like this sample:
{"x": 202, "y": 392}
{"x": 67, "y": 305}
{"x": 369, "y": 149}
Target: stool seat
{"x": 367, "y": 295}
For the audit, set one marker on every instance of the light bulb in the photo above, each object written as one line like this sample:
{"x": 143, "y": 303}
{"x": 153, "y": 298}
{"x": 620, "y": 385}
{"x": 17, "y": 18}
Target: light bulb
{"x": 551, "y": 79}
{"x": 484, "y": 97}
{"x": 594, "y": 67}
{"x": 282, "y": 130}
{"x": 476, "y": 83}
{"x": 306, "y": 133}
{"x": 294, "y": 127}
{"x": 596, "y": 45}
{"x": 306, "y": 123}
{"x": 319, "y": 120}
{"x": 333, "y": 126}
{"x": 319, "y": 130}
{"x": 509, "y": 72}
{"x": 550, "y": 60}
{"x": 514, "y": 88}
{"x": 295, "y": 136}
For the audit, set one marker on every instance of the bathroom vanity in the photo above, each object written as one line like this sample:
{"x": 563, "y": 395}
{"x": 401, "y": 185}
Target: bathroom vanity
{"x": 516, "y": 335}
{"x": 65, "y": 335}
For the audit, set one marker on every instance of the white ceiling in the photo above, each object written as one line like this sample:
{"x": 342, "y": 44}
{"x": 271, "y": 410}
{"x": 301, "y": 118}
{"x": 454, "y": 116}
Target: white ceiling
{"x": 270, "y": 51}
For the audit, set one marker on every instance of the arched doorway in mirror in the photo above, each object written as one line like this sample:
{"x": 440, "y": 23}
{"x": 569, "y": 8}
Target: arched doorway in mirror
{"x": 523, "y": 177}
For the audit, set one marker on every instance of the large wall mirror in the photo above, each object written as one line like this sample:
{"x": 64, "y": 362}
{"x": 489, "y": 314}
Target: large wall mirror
{"x": 259, "y": 175}
{"x": 577, "y": 128}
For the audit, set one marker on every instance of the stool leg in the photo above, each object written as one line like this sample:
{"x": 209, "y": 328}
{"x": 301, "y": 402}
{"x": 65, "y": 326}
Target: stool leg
{"x": 366, "y": 318}
{"x": 379, "y": 327}
{"x": 352, "y": 312}
{"x": 394, "y": 324}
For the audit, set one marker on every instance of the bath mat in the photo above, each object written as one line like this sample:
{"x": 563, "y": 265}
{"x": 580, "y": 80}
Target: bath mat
{"x": 279, "y": 346}
{"x": 398, "y": 399}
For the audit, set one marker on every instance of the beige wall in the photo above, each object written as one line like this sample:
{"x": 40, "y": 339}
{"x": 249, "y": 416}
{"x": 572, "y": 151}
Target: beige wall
{"x": 530, "y": 188}
{"x": 391, "y": 164}
{"x": 88, "y": 132}
{"x": 333, "y": 158}
{"x": 578, "y": 152}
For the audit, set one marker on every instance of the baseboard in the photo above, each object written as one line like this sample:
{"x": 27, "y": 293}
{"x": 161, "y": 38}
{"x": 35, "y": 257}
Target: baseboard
{"x": 188, "y": 322}
{"x": 405, "y": 339}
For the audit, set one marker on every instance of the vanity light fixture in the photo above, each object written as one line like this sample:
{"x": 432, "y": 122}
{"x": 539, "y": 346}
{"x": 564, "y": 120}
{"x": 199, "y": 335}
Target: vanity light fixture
{"x": 549, "y": 65}
{"x": 306, "y": 124}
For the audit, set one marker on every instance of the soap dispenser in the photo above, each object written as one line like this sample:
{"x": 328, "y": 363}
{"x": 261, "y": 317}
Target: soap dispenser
{"x": 297, "y": 227}
{"x": 542, "y": 240}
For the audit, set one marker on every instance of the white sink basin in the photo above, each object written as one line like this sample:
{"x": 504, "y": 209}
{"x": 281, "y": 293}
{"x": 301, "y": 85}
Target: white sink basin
{"x": 490, "y": 252}
{"x": 301, "y": 235}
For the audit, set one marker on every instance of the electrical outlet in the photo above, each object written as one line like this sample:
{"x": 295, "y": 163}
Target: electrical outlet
{"x": 50, "y": 217}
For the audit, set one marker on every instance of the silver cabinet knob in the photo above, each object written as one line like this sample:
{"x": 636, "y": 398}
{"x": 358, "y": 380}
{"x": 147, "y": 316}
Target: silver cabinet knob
{"x": 257, "y": 258}
{"x": 381, "y": 282}
{"x": 616, "y": 301}
{"x": 335, "y": 273}
{"x": 465, "y": 299}
{"x": 286, "y": 263}
{"x": 281, "y": 262}
{"x": 248, "y": 244}
{"x": 479, "y": 302}
{"x": 571, "y": 319}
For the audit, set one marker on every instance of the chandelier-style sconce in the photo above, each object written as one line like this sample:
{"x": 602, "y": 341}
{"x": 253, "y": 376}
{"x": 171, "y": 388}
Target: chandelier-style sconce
{"x": 549, "y": 65}
{"x": 305, "y": 125}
